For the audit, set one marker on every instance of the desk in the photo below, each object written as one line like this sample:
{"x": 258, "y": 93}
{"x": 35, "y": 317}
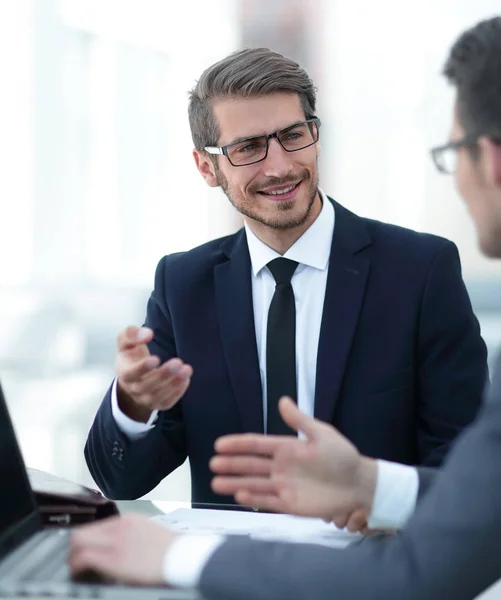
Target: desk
{"x": 151, "y": 509}
{"x": 146, "y": 507}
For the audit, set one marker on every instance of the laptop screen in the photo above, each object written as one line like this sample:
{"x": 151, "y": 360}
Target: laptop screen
{"x": 16, "y": 499}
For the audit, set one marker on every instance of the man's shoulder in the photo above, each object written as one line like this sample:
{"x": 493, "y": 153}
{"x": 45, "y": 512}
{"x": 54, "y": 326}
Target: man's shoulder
{"x": 387, "y": 237}
{"x": 410, "y": 239}
{"x": 200, "y": 258}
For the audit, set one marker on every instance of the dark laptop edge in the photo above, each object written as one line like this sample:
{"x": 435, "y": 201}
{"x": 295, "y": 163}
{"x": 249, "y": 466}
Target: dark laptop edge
{"x": 20, "y": 531}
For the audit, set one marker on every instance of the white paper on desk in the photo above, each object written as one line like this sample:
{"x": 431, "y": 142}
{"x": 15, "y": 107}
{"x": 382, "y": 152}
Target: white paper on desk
{"x": 257, "y": 525}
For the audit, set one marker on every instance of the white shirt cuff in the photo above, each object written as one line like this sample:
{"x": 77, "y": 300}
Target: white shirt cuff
{"x": 186, "y": 558}
{"x": 132, "y": 429}
{"x": 395, "y": 497}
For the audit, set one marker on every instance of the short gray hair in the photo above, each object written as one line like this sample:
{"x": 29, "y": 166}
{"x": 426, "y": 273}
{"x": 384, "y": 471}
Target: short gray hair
{"x": 248, "y": 73}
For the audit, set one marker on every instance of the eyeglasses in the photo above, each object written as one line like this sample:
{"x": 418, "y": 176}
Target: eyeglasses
{"x": 255, "y": 149}
{"x": 445, "y": 157}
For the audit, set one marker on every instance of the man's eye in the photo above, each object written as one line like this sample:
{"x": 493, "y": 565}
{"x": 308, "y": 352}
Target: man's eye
{"x": 251, "y": 147}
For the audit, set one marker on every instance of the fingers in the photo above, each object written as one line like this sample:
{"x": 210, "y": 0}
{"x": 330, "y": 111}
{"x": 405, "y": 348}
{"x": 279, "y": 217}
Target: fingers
{"x": 353, "y": 522}
{"x": 138, "y": 369}
{"x": 298, "y": 420}
{"x": 91, "y": 545}
{"x": 341, "y": 521}
{"x": 263, "y": 501}
{"x": 91, "y": 559}
{"x": 240, "y": 465}
{"x": 133, "y": 336}
{"x": 171, "y": 374}
{"x": 357, "y": 521}
{"x": 142, "y": 379}
{"x": 158, "y": 387}
{"x": 174, "y": 370}
{"x": 163, "y": 393}
{"x": 230, "y": 486}
{"x": 251, "y": 443}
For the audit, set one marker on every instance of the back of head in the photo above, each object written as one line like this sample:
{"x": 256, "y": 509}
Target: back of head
{"x": 474, "y": 68}
{"x": 252, "y": 72}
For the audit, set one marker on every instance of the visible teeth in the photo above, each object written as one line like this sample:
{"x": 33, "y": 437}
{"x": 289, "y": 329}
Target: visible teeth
{"x": 280, "y": 192}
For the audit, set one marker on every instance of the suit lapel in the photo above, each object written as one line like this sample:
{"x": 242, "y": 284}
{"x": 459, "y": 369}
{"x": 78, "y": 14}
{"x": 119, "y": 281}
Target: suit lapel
{"x": 346, "y": 282}
{"x": 235, "y": 311}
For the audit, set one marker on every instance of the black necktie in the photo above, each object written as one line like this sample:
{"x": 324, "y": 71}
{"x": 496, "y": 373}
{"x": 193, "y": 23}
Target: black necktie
{"x": 281, "y": 345}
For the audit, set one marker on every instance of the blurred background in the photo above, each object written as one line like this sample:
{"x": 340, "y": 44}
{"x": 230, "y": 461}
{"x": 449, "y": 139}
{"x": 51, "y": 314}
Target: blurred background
{"x": 97, "y": 181}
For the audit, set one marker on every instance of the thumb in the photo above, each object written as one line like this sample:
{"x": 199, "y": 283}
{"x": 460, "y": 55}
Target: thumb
{"x": 297, "y": 420}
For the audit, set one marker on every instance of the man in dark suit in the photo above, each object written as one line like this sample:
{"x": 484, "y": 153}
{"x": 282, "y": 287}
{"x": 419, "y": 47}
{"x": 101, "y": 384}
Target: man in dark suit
{"x": 449, "y": 549}
{"x": 367, "y": 326}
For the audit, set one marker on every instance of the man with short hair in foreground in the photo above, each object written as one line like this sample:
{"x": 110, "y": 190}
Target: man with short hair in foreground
{"x": 450, "y": 547}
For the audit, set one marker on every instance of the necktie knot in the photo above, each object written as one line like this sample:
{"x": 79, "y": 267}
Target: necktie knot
{"x": 282, "y": 270}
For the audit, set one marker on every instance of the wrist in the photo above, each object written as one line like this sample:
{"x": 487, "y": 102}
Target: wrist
{"x": 130, "y": 408}
{"x": 186, "y": 558}
{"x": 366, "y": 482}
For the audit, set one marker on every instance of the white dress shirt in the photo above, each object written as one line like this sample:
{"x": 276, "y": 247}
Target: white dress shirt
{"x": 312, "y": 252}
{"x": 395, "y": 497}
{"x": 397, "y": 485}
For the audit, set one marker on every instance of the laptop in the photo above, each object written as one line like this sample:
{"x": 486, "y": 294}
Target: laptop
{"x": 33, "y": 560}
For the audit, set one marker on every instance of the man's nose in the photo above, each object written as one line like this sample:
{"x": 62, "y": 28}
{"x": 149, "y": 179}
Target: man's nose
{"x": 278, "y": 163}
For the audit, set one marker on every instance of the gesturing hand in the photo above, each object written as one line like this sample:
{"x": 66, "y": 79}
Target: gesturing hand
{"x": 143, "y": 384}
{"x": 323, "y": 475}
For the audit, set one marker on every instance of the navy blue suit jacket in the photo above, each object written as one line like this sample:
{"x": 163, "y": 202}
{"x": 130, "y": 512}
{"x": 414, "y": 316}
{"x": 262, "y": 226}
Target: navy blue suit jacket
{"x": 400, "y": 371}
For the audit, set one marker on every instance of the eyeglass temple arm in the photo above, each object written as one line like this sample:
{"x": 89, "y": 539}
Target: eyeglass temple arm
{"x": 214, "y": 150}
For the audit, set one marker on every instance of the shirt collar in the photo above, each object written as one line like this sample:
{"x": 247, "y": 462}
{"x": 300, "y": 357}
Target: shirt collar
{"x": 313, "y": 248}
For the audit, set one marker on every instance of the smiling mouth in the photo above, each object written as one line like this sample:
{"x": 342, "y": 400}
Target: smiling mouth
{"x": 283, "y": 193}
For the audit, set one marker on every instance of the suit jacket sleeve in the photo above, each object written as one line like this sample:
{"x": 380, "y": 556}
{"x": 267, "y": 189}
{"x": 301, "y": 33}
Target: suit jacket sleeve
{"x": 427, "y": 476}
{"x": 449, "y": 548}
{"x": 126, "y": 469}
{"x": 452, "y": 359}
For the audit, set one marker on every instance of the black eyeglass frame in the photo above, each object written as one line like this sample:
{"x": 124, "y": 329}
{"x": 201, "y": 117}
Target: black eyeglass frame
{"x": 468, "y": 141}
{"x": 224, "y": 149}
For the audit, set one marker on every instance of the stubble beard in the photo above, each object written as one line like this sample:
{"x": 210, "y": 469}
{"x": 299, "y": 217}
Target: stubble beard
{"x": 278, "y": 223}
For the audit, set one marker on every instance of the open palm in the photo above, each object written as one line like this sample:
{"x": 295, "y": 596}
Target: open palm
{"x": 322, "y": 475}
